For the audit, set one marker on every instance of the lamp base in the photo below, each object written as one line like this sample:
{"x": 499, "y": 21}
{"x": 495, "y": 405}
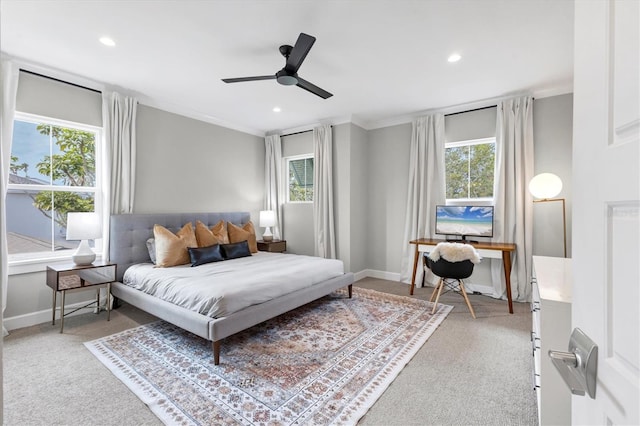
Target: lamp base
{"x": 84, "y": 255}
{"x": 83, "y": 259}
{"x": 267, "y": 236}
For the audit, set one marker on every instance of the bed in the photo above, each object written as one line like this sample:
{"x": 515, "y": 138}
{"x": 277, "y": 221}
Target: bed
{"x": 128, "y": 247}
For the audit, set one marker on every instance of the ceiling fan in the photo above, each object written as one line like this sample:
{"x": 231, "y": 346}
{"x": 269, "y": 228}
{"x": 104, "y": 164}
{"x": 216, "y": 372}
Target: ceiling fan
{"x": 288, "y": 75}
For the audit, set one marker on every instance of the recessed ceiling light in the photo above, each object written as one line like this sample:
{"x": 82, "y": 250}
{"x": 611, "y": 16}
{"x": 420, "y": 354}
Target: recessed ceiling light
{"x": 276, "y": 109}
{"x": 107, "y": 41}
{"x": 454, "y": 57}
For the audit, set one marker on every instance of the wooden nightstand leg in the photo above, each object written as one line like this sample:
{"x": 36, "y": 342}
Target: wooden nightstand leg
{"x": 62, "y": 312}
{"x": 53, "y": 309}
{"x": 109, "y": 302}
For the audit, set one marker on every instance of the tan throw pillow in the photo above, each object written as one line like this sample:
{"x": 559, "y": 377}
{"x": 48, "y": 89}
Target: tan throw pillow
{"x": 171, "y": 249}
{"x": 246, "y": 233}
{"x": 206, "y": 237}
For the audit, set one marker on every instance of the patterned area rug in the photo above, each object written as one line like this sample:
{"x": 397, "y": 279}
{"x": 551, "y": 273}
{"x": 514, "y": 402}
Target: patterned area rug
{"x": 324, "y": 363}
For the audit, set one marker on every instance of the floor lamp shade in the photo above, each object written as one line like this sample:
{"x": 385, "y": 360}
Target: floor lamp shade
{"x": 545, "y": 185}
{"x": 267, "y": 220}
{"x": 83, "y": 226}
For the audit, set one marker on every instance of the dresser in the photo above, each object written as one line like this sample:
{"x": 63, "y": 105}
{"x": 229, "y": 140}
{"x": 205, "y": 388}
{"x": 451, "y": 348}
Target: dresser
{"x": 551, "y": 329}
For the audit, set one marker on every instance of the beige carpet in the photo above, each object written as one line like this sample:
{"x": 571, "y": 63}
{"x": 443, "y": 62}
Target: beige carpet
{"x": 468, "y": 372}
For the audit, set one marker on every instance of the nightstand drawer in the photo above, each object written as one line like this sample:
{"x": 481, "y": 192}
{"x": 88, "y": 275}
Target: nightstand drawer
{"x": 278, "y": 246}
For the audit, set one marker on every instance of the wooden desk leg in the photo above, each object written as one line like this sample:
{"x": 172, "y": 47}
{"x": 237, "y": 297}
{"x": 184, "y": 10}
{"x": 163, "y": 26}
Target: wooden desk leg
{"x": 506, "y": 260}
{"x": 415, "y": 267}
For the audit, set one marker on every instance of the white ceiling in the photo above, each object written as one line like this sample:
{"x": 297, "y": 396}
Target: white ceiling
{"x": 384, "y": 61}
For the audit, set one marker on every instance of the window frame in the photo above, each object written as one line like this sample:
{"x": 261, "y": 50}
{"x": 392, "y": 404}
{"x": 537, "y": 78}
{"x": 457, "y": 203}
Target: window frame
{"x": 480, "y": 201}
{"x": 21, "y": 263}
{"x": 287, "y": 162}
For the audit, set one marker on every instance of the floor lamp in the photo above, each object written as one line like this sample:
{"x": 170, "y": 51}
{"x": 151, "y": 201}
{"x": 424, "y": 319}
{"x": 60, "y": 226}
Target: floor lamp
{"x": 545, "y": 187}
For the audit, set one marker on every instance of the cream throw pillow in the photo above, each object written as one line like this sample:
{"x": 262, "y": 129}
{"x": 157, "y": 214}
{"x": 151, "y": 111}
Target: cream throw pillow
{"x": 171, "y": 249}
{"x": 206, "y": 237}
{"x": 246, "y": 233}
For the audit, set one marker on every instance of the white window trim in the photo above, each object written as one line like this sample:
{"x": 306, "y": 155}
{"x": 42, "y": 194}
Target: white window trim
{"x": 286, "y": 161}
{"x": 483, "y": 201}
{"x": 23, "y": 263}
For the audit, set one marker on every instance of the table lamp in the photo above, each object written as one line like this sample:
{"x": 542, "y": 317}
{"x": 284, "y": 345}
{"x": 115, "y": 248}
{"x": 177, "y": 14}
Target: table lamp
{"x": 546, "y": 186}
{"x": 83, "y": 227}
{"x": 267, "y": 220}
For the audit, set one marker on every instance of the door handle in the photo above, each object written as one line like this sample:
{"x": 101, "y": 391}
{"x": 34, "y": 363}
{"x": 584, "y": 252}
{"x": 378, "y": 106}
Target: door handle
{"x": 579, "y": 366}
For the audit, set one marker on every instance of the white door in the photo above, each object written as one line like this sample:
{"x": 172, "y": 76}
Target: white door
{"x": 606, "y": 204}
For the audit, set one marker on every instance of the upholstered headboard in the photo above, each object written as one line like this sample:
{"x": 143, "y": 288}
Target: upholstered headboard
{"x": 129, "y": 233}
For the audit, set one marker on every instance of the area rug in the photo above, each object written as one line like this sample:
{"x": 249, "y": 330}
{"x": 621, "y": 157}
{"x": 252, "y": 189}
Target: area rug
{"x": 325, "y": 363}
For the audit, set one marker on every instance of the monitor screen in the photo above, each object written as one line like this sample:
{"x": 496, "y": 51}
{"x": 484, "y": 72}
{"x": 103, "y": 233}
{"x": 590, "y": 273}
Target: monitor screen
{"x": 465, "y": 221}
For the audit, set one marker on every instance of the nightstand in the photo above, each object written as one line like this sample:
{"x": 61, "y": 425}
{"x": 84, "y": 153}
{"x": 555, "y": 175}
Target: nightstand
{"x": 275, "y": 246}
{"x": 71, "y": 278}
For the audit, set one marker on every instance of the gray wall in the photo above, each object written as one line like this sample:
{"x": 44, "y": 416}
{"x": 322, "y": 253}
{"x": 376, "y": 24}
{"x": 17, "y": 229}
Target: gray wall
{"x": 553, "y": 131}
{"x": 360, "y": 192}
{"x": 186, "y": 164}
{"x": 388, "y": 178}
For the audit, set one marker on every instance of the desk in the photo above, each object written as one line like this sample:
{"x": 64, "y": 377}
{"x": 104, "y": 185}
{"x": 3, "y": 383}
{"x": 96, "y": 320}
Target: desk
{"x": 489, "y": 250}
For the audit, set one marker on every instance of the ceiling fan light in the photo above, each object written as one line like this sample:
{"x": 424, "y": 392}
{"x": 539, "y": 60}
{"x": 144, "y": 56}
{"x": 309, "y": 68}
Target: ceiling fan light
{"x": 287, "y": 80}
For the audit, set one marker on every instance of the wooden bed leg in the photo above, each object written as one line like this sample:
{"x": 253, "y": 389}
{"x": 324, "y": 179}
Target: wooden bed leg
{"x": 350, "y": 290}
{"x": 216, "y": 352}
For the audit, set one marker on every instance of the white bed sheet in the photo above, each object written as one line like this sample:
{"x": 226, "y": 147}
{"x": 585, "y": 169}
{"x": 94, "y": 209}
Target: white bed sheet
{"x": 221, "y": 288}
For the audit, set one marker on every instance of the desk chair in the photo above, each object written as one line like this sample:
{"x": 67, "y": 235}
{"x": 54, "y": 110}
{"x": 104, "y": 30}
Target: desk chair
{"x": 452, "y": 262}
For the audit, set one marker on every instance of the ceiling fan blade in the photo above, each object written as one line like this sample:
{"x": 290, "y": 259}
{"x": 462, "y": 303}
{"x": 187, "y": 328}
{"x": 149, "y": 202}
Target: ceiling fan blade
{"x": 313, "y": 88}
{"x": 241, "y": 79}
{"x": 299, "y": 52}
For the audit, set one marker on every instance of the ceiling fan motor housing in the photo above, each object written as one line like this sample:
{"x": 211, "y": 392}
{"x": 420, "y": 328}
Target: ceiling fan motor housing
{"x": 285, "y": 78}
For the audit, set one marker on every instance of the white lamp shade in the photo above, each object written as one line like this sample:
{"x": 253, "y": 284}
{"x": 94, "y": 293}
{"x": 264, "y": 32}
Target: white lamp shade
{"x": 83, "y": 226}
{"x": 267, "y": 218}
{"x": 545, "y": 185}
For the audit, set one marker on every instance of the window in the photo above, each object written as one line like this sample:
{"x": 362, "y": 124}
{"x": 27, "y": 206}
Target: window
{"x": 300, "y": 183}
{"x": 469, "y": 169}
{"x": 54, "y": 170}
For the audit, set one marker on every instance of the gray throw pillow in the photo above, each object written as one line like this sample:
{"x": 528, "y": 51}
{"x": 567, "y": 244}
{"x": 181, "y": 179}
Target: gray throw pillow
{"x": 151, "y": 247}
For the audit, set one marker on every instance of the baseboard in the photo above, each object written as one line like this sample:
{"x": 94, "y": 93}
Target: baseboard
{"x": 372, "y": 273}
{"x": 44, "y": 316}
{"x": 393, "y": 276}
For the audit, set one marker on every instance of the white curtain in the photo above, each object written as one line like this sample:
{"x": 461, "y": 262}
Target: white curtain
{"x": 119, "y": 122}
{"x": 10, "y": 74}
{"x": 119, "y": 150}
{"x": 513, "y": 203}
{"x": 273, "y": 196}
{"x": 325, "y": 245}
{"x": 426, "y": 188}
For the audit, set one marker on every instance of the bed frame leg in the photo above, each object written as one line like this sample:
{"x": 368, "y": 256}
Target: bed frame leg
{"x": 350, "y": 290}
{"x": 216, "y": 352}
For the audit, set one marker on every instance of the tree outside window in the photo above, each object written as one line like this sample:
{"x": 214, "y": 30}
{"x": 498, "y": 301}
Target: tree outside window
{"x": 469, "y": 169}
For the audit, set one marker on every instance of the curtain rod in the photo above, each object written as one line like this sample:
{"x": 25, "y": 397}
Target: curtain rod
{"x": 60, "y": 81}
{"x": 297, "y": 133}
{"x": 471, "y": 110}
